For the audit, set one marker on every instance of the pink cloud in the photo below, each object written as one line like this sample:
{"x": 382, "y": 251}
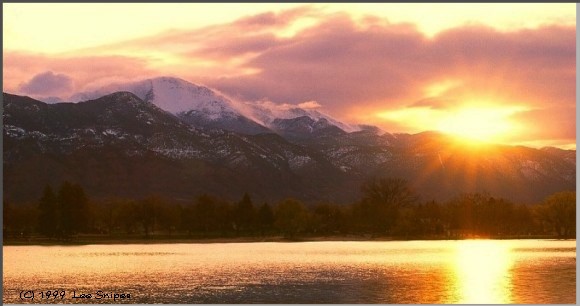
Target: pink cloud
{"x": 47, "y": 83}
{"x": 237, "y": 45}
{"x": 345, "y": 66}
{"x": 271, "y": 19}
{"x": 87, "y": 71}
{"x": 548, "y": 123}
{"x": 340, "y": 65}
{"x": 309, "y": 105}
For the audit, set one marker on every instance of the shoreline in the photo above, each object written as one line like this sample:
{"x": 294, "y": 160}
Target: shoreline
{"x": 100, "y": 240}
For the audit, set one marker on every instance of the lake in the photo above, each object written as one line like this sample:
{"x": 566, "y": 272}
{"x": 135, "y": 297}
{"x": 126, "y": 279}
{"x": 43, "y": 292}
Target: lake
{"x": 468, "y": 271}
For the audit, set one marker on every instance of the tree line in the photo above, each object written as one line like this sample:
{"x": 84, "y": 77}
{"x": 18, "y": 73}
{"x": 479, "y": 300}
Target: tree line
{"x": 387, "y": 208}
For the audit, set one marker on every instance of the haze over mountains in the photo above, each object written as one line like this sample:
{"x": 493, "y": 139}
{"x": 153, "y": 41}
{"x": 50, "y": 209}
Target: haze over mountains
{"x": 169, "y": 137}
{"x": 202, "y": 106}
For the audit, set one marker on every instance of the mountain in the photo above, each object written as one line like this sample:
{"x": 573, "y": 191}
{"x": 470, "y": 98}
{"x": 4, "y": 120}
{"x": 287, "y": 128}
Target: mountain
{"x": 298, "y": 124}
{"x": 203, "y": 107}
{"x": 305, "y": 127}
{"x": 122, "y": 145}
{"x": 195, "y": 105}
{"x": 268, "y": 113}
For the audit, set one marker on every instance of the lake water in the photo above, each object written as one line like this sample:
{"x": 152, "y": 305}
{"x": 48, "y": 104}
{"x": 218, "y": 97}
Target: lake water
{"x": 470, "y": 271}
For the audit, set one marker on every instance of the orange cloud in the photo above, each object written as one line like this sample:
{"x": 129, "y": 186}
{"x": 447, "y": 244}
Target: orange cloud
{"x": 352, "y": 69}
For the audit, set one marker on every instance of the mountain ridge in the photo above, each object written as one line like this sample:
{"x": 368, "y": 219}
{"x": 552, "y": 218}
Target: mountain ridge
{"x": 202, "y": 106}
{"x": 122, "y": 138}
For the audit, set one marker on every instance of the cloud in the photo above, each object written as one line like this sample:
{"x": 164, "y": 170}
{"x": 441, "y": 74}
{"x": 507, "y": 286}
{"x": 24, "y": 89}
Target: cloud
{"x": 251, "y": 32}
{"x": 271, "y": 19}
{"x": 269, "y": 105}
{"x": 352, "y": 69}
{"x": 554, "y": 123}
{"x": 334, "y": 63}
{"x": 309, "y": 105}
{"x": 435, "y": 103}
{"x": 87, "y": 72}
{"x": 340, "y": 65}
{"x": 237, "y": 45}
{"x": 47, "y": 83}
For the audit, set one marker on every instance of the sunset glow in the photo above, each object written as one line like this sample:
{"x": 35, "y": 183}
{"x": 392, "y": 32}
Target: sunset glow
{"x": 289, "y": 153}
{"x": 405, "y": 68}
{"x": 484, "y": 124}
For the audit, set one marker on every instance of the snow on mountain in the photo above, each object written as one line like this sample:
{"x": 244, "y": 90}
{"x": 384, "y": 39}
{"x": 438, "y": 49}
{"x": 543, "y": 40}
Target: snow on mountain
{"x": 193, "y": 104}
{"x": 268, "y": 112}
{"x": 134, "y": 146}
{"x": 198, "y": 105}
{"x": 171, "y": 94}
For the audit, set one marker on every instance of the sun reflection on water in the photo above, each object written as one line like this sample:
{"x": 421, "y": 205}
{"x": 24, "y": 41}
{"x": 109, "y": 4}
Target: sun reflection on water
{"x": 382, "y": 272}
{"x": 483, "y": 272}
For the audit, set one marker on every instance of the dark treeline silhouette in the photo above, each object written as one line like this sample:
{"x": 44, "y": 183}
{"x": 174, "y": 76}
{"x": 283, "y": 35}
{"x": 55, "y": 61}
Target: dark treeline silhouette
{"x": 388, "y": 208}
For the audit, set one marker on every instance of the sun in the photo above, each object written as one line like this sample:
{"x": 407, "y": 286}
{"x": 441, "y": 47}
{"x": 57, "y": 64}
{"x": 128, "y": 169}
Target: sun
{"x": 481, "y": 124}
{"x": 472, "y": 123}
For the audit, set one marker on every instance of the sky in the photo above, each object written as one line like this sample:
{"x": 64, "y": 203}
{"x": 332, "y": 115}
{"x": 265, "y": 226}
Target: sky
{"x": 493, "y": 72}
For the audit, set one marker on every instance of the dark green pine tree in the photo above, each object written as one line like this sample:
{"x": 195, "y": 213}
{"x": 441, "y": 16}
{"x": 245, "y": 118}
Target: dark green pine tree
{"x": 48, "y": 219}
{"x": 245, "y": 214}
{"x": 265, "y": 218}
{"x": 204, "y": 214}
{"x": 74, "y": 210}
{"x": 148, "y": 210}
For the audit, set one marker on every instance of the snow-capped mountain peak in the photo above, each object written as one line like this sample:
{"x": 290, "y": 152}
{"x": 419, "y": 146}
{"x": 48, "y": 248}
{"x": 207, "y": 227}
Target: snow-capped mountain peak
{"x": 193, "y": 104}
{"x": 202, "y": 106}
{"x": 170, "y": 94}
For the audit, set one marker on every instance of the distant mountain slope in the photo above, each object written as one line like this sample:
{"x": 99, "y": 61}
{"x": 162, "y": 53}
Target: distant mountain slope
{"x": 121, "y": 145}
{"x": 120, "y": 140}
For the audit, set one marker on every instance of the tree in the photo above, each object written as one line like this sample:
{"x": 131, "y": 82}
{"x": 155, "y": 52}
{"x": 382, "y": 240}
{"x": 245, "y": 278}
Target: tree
{"x": 147, "y": 213}
{"x": 224, "y": 215}
{"x": 382, "y": 200}
{"x": 20, "y": 220}
{"x": 48, "y": 213}
{"x": 204, "y": 214}
{"x": 265, "y": 218}
{"x": 558, "y": 211}
{"x": 523, "y": 221}
{"x": 104, "y": 214}
{"x": 244, "y": 214}
{"x": 73, "y": 206}
{"x": 430, "y": 218}
{"x": 471, "y": 214}
{"x": 407, "y": 223}
{"x": 327, "y": 219}
{"x": 169, "y": 216}
{"x": 291, "y": 217}
{"x": 125, "y": 215}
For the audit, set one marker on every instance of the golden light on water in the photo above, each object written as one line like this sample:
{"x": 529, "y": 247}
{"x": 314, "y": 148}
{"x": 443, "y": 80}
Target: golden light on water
{"x": 483, "y": 272}
{"x": 331, "y": 272}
